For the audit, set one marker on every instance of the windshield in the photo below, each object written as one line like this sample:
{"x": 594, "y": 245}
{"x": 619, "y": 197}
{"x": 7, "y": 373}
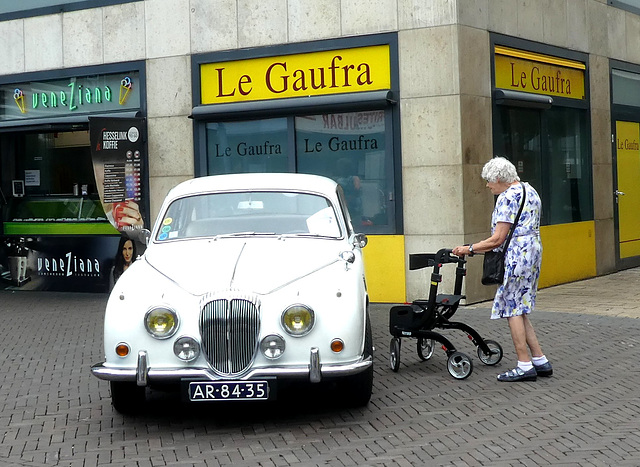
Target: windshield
{"x": 249, "y": 213}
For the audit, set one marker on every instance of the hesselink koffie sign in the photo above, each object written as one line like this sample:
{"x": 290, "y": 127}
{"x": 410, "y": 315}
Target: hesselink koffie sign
{"x": 298, "y": 75}
{"x": 68, "y": 96}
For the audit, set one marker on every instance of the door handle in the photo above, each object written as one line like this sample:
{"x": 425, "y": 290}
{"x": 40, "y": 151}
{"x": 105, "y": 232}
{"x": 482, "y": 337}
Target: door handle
{"x": 619, "y": 193}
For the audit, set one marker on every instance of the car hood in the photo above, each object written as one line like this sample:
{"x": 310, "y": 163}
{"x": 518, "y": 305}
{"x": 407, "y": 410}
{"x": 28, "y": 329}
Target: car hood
{"x": 258, "y": 265}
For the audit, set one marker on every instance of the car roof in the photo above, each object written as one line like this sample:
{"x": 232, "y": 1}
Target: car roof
{"x": 255, "y": 181}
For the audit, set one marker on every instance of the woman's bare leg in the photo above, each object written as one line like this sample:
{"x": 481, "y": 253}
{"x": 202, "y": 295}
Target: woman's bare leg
{"x": 532, "y": 339}
{"x": 519, "y": 337}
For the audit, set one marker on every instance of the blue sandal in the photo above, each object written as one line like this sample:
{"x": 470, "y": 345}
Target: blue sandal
{"x": 544, "y": 370}
{"x": 518, "y": 374}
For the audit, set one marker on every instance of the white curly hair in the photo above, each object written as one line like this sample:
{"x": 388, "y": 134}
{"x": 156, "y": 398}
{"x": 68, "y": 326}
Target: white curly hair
{"x": 500, "y": 169}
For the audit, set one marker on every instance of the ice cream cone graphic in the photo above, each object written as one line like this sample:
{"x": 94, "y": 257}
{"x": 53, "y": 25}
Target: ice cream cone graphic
{"x": 125, "y": 87}
{"x": 18, "y": 96}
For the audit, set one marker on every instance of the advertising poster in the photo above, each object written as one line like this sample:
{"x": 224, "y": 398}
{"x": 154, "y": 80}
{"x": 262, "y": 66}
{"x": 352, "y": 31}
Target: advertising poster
{"x": 117, "y": 152}
{"x": 58, "y": 263}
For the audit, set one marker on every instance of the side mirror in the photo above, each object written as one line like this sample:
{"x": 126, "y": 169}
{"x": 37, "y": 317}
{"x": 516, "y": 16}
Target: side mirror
{"x": 360, "y": 240}
{"x": 146, "y": 235}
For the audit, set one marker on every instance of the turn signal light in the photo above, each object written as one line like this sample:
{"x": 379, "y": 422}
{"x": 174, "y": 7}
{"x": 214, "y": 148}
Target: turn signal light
{"x": 122, "y": 349}
{"x": 337, "y": 345}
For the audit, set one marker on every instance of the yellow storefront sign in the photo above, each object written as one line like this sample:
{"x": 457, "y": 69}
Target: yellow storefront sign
{"x": 523, "y": 71}
{"x": 301, "y": 75}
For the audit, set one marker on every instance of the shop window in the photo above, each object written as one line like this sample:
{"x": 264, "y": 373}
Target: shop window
{"x": 625, "y": 88}
{"x": 58, "y": 177}
{"x": 550, "y": 150}
{"x": 249, "y": 146}
{"x": 26, "y": 8}
{"x": 352, "y": 148}
{"x": 65, "y": 155}
{"x": 349, "y": 148}
{"x": 630, "y": 5}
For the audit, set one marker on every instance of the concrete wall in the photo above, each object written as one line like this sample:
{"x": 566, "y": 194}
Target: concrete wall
{"x": 445, "y": 84}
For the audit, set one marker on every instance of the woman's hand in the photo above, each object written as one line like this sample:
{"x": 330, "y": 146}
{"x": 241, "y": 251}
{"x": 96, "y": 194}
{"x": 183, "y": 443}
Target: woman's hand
{"x": 499, "y": 236}
{"x": 462, "y": 250}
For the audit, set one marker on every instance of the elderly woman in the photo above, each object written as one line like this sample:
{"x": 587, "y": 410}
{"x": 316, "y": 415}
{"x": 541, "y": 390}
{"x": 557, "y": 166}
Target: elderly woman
{"x": 516, "y": 297}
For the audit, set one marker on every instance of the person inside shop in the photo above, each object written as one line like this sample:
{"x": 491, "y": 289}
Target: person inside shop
{"x": 516, "y": 297}
{"x": 125, "y": 256}
{"x": 350, "y": 183}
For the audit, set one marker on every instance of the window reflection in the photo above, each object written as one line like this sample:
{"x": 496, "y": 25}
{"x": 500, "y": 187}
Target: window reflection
{"x": 249, "y": 146}
{"x": 569, "y": 181}
{"x": 349, "y": 148}
{"x": 352, "y": 148}
{"x": 550, "y": 150}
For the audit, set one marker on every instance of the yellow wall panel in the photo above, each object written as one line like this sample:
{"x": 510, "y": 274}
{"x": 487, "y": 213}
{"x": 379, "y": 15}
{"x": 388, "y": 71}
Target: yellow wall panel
{"x": 569, "y": 253}
{"x": 629, "y": 249}
{"x": 384, "y": 268}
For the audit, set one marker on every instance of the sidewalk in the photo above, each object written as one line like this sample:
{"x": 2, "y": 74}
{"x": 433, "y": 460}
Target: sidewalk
{"x": 54, "y": 412}
{"x": 613, "y": 295}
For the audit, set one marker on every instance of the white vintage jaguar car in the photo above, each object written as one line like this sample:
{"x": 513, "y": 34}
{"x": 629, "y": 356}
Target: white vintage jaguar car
{"x": 248, "y": 281}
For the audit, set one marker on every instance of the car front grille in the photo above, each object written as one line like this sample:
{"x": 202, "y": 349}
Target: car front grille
{"x": 230, "y": 328}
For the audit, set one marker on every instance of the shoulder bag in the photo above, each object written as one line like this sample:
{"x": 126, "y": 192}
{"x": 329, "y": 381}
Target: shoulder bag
{"x": 493, "y": 265}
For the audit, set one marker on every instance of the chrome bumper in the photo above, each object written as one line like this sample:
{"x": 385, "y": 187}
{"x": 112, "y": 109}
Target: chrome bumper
{"x": 315, "y": 371}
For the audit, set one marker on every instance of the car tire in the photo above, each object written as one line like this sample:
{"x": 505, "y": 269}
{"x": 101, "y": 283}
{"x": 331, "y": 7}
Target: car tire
{"x": 127, "y": 397}
{"x": 358, "y": 388}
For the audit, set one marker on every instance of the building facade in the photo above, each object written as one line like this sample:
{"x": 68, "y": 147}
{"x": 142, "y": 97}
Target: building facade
{"x": 401, "y": 101}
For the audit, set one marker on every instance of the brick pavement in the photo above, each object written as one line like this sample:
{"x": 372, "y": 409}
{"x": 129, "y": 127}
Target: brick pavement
{"x": 53, "y": 412}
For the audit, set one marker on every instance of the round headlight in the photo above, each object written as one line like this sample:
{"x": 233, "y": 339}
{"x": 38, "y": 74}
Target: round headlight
{"x": 161, "y": 322}
{"x": 298, "y": 320}
{"x": 272, "y": 346}
{"x": 186, "y": 348}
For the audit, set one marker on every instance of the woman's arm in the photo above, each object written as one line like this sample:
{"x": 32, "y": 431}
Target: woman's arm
{"x": 499, "y": 236}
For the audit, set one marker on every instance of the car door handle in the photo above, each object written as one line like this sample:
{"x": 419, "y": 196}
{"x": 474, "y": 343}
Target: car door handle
{"x": 619, "y": 193}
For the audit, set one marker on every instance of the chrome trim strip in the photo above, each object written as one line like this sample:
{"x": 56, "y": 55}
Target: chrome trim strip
{"x": 101, "y": 371}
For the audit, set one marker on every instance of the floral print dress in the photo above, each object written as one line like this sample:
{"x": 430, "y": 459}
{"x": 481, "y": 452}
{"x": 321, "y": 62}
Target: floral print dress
{"x": 517, "y": 294}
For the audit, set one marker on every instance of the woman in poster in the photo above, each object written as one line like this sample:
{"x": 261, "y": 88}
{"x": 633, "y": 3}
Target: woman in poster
{"x": 125, "y": 256}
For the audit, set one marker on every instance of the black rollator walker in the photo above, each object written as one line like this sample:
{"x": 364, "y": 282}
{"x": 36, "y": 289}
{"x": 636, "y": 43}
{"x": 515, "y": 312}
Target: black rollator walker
{"x": 420, "y": 318}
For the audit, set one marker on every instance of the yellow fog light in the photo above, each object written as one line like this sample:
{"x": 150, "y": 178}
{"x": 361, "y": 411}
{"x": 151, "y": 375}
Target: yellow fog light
{"x": 337, "y": 345}
{"x": 122, "y": 349}
{"x": 298, "y": 320}
{"x": 161, "y": 322}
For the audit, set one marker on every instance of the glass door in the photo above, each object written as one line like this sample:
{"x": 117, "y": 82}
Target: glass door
{"x": 627, "y": 188}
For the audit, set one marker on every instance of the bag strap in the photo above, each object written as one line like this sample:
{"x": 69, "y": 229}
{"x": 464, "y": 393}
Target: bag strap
{"x": 515, "y": 222}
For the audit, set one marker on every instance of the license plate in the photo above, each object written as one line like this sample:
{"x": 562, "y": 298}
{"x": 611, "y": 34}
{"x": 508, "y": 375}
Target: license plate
{"x": 228, "y": 390}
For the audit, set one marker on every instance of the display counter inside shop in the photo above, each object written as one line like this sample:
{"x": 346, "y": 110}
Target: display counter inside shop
{"x": 56, "y": 215}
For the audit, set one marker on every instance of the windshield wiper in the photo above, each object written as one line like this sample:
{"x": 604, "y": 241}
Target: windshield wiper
{"x": 306, "y": 234}
{"x": 244, "y": 234}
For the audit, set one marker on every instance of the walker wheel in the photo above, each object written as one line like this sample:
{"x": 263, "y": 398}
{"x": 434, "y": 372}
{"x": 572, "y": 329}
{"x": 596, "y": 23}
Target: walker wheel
{"x": 494, "y": 357}
{"x": 425, "y": 348}
{"x": 394, "y": 354}
{"x": 459, "y": 365}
